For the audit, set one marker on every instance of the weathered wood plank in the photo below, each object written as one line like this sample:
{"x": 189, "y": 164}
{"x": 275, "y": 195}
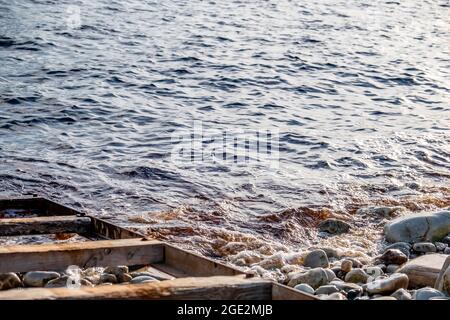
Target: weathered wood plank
{"x": 210, "y": 288}
{"x": 43, "y": 206}
{"x": 44, "y": 225}
{"x": 111, "y": 231}
{"x": 22, "y": 258}
{"x": 281, "y": 292}
{"x": 195, "y": 265}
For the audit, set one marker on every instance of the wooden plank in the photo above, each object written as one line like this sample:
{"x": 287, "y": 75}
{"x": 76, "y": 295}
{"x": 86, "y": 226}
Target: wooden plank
{"x": 282, "y": 292}
{"x": 195, "y": 265}
{"x": 42, "y": 206}
{"x": 44, "y": 225}
{"x": 108, "y": 230}
{"x": 22, "y": 258}
{"x": 209, "y": 288}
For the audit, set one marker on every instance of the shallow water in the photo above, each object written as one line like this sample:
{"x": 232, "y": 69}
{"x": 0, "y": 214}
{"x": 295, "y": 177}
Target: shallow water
{"x": 356, "y": 93}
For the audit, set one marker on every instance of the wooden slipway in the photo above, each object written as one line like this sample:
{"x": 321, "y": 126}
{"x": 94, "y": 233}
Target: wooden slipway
{"x": 190, "y": 276}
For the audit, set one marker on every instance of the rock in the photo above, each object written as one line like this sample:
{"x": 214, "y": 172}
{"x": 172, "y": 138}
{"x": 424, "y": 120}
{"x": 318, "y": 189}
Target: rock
{"x": 303, "y": 287}
{"x": 61, "y": 282}
{"x": 385, "y": 298}
{"x": 9, "y": 281}
{"x": 440, "y": 246}
{"x": 124, "y": 277}
{"x": 316, "y": 259}
{"x": 335, "y": 296}
{"x": 347, "y": 287}
{"x": 346, "y": 265}
{"x": 393, "y": 256}
{"x": 446, "y": 240}
{"x": 353, "y": 294}
{"x": 402, "y": 246}
{"x": 108, "y": 278}
{"x": 374, "y": 272}
{"x": 427, "y": 293}
{"x": 143, "y": 279}
{"x": 315, "y": 278}
{"x": 423, "y": 271}
{"x": 39, "y": 278}
{"x": 418, "y": 228}
{"x": 440, "y": 298}
{"x": 392, "y": 268}
{"x": 334, "y": 226}
{"x": 356, "y": 263}
{"x": 327, "y": 289}
{"x": 384, "y": 212}
{"x": 424, "y": 247}
{"x": 116, "y": 270}
{"x": 447, "y": 250}
{"x": 331, "y": 252}
{"x": 356, "y": 276}
{"x": 402, "y": 294}
{"x": 388, "y": 285}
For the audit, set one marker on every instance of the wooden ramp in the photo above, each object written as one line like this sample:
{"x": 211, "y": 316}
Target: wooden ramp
{"x": 184, "y": 275}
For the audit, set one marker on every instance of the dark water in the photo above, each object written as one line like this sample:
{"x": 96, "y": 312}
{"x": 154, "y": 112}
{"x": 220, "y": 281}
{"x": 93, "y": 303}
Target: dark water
{"x": 358, "y": 92}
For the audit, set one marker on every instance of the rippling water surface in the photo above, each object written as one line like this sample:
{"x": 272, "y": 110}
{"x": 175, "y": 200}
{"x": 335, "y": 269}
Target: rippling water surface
{"x": 358, "y": 91}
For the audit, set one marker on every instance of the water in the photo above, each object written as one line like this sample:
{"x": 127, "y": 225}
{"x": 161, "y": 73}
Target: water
{"x": 358, "y": 92}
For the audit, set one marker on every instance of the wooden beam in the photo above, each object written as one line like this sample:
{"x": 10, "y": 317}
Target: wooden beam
{"x": 44, "y": 225}
{"x": 194, "y": 265}
{"x": 210, "y": 288}
{"x": 108, "y": 230}
{"x": 23, "y": 258}
{"x": 282, "y": 292}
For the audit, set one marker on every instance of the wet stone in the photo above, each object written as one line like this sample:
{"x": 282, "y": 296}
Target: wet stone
{"x": 392, "y": 268}
{"x": 303, "y": 287}
{"x": 334, "y": 226}
{"x": 346, "y": 265}
{"x": 143, "y": 279}
{"x": 317, "y": 259}
{"x": 402, "y": 246}
{"x": 9, "y": 281}
{"x": 402, "y": 294}
{"x": 356, "y": 276}
{"x": 427, "y": 293}
{"x": 440, "y": 246}
{"x": 327, "y": 289}
{"x": 424, "y": 247}
{"x": 393, "y": 256}
{"x": 388, "y": 285}
{"x": 108, "y": 277}
{"x": 39, "y": 278}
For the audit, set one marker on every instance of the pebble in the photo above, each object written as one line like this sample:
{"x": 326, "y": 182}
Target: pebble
{"x": 427, "y": 293}
{"x": 108, "y": 277}
{"x": 388, "y": 285}
{"x": 303, "y": 287}
{"x": 143, "y": 279}
{"x": 346, "y": 265}
{"x": 335, "y": 296}
{"x": 334, "y": 226}
{"x": 374, "y": 272}
{"x": 346, "y": 286}
{"x": 446, "y": 240}
{"x": 393, "y": 256}
{"x": 402, "y": 246}
{"x": 39, "y": 278}
{"x": 356, "y": 263}
{"x": 447, "y": 250}
{"x": 445, "y": 282}
{"x": 353, "y": 294}
{"x": 9, "y": 281}
{"x": 316, "y": 259}
{"x": 315, "y": 277}
{"x": 384, "y": 212}
{"x": 392, "y": 268}
{"x": 327, "y": 289}
{"x": 60, "y": 282}
{"x": 440, "y": 246}
{"x": 116, "y": 270}
{"x": 356, "y": 276}
{"x": 424, "y": 247}
{"x": 123, "y": 277}
{"x": 402, "y": 294}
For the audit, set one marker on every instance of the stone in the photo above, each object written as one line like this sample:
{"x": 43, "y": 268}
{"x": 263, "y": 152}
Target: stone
{"x": 315, "y": 278}
{"x": 353, "y": 294}
{"x": 385, "y": 298}
{"x": 327, "y": 289}
{"x": 108, "y": 278}
{"x": 388, "y": 285}
{"x": 116, "y": 270}
{"x": 316, "y": 259}
{"x": 427, "y": 293}
{"x": 418, "y": 228}
{"x": 423, "y": 271}
{"x": 447, "y": 250}
{"x": 440, "y": 246}
{"x": 374, "y": 272}
{"x": 356, "y": 276}
{"x": 424, "y": 247}
{"x": 346, "y": 265}
{"x": 61, "y": 282}
{"x": 402, "y": 246}
{"x": 356, "y": 263}
{"x": 10, "y": 281}
{"x": 346, "y": 286}
{"x": 392, "y": 268}
{"x": 402, "y": 294}
{"x": 393, "y": 256}
{"x": 39, "y": 278}
{"x": 440, "y": 298}
{"x": 334, "y": 226}
{"x": 335, "y": 296}
{"x": 446, "y": 240}
{"x": 124, "y": 277}
{"x": 306, "y": 288}
{"x": 143, "y": 279}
